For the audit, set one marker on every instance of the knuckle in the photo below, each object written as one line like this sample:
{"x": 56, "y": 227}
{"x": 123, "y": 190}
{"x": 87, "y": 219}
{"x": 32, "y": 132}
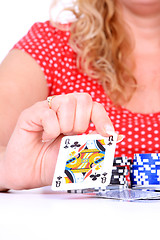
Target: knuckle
{"x": 32, "y": 108}
{"x": 99, "y": 105}
{"x": 63, "y": 100}
{"x": 24, "y": 114}
{"x": 46, "y": 113}
{"x": 70, "y": 99}
{"x": 87, "y": 97}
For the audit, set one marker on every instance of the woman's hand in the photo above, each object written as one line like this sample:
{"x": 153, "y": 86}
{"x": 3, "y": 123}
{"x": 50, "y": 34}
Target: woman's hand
{"x": 32, "y": 151}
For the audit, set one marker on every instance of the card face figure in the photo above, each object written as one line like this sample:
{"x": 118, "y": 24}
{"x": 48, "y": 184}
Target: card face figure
{"x": 84, "y": 161}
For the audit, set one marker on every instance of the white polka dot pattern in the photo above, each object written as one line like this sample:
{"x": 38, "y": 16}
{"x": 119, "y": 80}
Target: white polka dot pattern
{"x": 50, "y": 48}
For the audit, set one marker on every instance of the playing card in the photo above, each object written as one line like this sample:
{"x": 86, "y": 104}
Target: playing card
{"x": 84, "y": 161}
{"x": 126, "y": 194}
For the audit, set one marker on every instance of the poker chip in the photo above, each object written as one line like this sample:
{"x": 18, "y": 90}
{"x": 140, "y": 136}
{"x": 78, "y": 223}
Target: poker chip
{"x": 79, "y": 191}
{"x": 122, "y": 161}
{"x": 121, "y": 167}
{"x": 145, "y": 171}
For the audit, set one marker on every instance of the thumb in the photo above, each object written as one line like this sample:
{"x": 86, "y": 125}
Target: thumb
{"x": 101, "y": 120}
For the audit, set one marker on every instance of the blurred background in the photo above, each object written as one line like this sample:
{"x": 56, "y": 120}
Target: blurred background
{"x": 17, "y": 16}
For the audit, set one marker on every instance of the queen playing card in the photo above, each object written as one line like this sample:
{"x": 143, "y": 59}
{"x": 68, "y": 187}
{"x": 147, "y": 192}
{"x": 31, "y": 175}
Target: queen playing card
{"x": 84, "y": 161}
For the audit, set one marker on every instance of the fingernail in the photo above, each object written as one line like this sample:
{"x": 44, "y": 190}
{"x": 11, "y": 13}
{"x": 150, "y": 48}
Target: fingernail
{"x": 109, "y": 130}
{"x": 110, "y": 133}
{"x": 120, "y": 138}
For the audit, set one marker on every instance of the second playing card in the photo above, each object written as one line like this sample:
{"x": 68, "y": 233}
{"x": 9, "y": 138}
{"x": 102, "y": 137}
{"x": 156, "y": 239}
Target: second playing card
{"x": 84, "y": 161}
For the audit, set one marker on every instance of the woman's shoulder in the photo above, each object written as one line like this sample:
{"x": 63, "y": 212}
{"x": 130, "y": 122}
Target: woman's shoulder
{"x": 49, "y": 46}
{"x": 44, "y": 36}
{"x": 48, "y": 29}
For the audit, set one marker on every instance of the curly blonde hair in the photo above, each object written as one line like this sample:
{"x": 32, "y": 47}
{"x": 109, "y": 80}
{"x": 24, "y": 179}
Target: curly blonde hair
{"x": 102, "y": 45}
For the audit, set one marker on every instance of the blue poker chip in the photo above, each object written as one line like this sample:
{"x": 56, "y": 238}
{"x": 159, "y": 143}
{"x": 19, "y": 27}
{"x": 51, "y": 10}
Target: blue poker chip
{"x": 150, "y": 158}
{"x": 145, "y": 170}
{"x": 154, "y": 156}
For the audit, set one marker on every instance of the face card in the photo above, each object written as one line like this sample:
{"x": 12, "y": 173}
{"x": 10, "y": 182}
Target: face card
{"x": 84, "y": 161}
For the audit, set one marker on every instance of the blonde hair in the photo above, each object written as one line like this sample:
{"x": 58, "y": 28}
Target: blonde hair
{"x": 102, "y": 46}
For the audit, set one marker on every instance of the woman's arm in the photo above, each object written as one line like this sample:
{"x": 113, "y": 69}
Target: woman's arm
{"x": 22, "y": 83}
{"x": 2, "y": 180}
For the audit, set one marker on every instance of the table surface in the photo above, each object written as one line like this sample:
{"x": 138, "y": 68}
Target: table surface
{"x": 44, "y": 214}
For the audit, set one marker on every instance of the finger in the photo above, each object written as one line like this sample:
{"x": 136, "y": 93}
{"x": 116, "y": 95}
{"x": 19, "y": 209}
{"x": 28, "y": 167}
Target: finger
{"x": 101, "y": 120}
{"x": 65, "y": 107}
{"x": 40, "y": 119}
{"x": 83, "y": 113}
{"x": 51, "y": 127}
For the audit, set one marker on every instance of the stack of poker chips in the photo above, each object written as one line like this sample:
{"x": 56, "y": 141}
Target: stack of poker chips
{"x": 121, "y": 171}
{"x": 145, "y": 171}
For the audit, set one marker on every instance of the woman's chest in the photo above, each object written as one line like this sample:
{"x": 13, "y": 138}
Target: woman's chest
{"x": 146, "y": 98}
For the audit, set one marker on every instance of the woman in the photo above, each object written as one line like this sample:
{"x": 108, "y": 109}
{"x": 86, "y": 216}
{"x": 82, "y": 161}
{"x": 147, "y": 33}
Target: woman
{"x": 103, "y": 70}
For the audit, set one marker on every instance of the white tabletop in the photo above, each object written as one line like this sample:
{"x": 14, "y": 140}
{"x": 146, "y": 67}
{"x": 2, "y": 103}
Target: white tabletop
{"x": 43, "y": 214}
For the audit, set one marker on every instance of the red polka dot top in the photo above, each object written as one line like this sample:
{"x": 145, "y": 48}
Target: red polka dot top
{"x": 50, "y": 48}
